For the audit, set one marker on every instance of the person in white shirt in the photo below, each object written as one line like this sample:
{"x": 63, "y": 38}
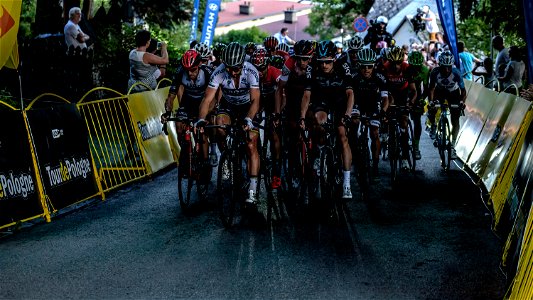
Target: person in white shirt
{"x": 514, "y": 72}
{"x": 74, "y": 36}
{"x": 431, "y": 23}
{"x": 283, "y": 36}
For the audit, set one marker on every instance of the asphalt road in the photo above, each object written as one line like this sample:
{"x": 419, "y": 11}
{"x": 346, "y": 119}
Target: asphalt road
{"x": 428, "y": 239}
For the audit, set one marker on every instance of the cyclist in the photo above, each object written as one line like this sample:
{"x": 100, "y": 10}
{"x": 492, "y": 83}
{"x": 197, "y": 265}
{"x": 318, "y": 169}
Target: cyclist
{"x": 218, "y": 49}
{"x": 189, "y": 85}
{"x": 249, "y": 48}
{"x": 446, "y": 83}
{"x": 370, "y": 98}
{"x": 348, "y": 59}
{"x": 331, "y": 89}
{"x": 402, "y": 91}
{"x": 295, "y": 82}
{"x": 270, "y": 43}
{"x": 382, "y": 58}
{"x": 239, "y": 83}
{"x": 420, "y": 76}
{"x": 270, "y": 95}
{"x": 205, "y": 53}
{"x": 283, "y": 50}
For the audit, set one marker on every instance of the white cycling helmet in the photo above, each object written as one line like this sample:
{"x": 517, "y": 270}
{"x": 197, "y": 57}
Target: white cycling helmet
{"x": 382, "y": 19}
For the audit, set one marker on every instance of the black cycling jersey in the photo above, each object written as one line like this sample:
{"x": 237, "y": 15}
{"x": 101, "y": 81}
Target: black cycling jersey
{"x": 345, "y": 62}
{"x": 329, "y": 89}
{"x": 368, "y": 93}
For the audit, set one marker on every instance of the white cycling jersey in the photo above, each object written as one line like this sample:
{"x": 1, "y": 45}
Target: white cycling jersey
{"x": 235, "y": 95}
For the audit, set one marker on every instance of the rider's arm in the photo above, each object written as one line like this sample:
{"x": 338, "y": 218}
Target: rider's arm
{"x": 350, "y": 102}
{"x": 206, "y": 102}
{"x": 254, "y": 101}
{"x": 412, "y": 87}
{"x": 278, "y": 97}
{"x": 306, "y": 98}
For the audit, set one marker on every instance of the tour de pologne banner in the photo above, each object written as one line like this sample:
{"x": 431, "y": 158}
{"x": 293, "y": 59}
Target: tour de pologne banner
{"x": 194, "y": 20}
{"x": 19, "y": 198}
{"x": 447, "y": 19}
{"x": 61, "y": 142}
{"x": 210, "y": 21}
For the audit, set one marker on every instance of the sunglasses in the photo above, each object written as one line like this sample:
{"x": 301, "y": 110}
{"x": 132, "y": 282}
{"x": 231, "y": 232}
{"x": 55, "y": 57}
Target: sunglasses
{"x": 260, "y": 68}
{"x": 303, "y": 58}
{"x": 325, "y": 61}
{"x": 234, "y": 69}
{"x": 366, "y": 67}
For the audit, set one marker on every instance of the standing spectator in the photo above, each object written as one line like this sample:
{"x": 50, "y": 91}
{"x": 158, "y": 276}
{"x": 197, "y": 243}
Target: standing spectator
{"x": 431, "y": 24}
{"x": 513, "y": 72}
{"x": 487, "y": 72}
{"x": 143, "y": 64}
{"x": 377, "y": 33}
{"x": 467, "y": 61}
{"x": 283, "y": 36}
{"x": 155, "y": 48}
{"x": 74, "y": 36}
{"x": 502, "y": 59}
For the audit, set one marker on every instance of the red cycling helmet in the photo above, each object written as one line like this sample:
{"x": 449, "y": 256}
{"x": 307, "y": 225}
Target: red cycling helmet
{"x": 191, "y": 59}
{"x": 260, "y": 58}
{"x": 270, "y": 43}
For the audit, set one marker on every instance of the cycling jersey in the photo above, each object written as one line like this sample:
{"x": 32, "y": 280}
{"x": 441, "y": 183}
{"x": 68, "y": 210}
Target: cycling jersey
{"x": 451, "y": 82}
{"x": 368, "y": 93}
{"x": 240, "y": 94}
{"x": 420, "y": 76}
{"x": 346, "y": 62}
{"x": 268, "y": 80}
{"x": 328, "y": 90}
{"x": 397, "y": 81}
{"x": 297, "y": 81}
{"x": 193, "y": 90}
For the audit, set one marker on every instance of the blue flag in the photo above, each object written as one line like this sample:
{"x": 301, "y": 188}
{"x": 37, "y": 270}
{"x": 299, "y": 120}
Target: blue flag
{"x": 528, "y": 6}
{"x": 194, "y": 21}
{"x": 210, "y": 21}
{"x": 447, "y": 19}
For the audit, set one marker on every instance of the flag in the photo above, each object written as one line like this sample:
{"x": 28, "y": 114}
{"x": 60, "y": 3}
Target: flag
{"x": 9, "y": 25}
{"x": 447, "y": 18}
{"x": 210, "y": 21}
{"x": 528, "y": 6}
{"x": 194, "y": 21}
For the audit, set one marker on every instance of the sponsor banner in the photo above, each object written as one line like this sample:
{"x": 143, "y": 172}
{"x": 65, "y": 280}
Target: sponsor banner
{"x": 447, "y": 17}
{"x": 146, "y": 109}
{"x": 9, "y": 25}
{"x": 194, "y": 20}
{"x": 19, "y": 197}
{"x": 61, "y": 143}
{"x": 210, "y": 21}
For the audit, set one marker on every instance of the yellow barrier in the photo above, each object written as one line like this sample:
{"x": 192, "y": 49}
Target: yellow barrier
{"x": 112, "y": 137}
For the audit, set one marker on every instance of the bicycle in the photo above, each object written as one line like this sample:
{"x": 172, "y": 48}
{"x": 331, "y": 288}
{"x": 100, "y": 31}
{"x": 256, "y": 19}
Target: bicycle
{"x": 443, "y": 133}
{"x": 399, "y": 148}
{"x": 233, "y": 174}
{"x": 193, "y": 169}
{"x": 361, "y": 154}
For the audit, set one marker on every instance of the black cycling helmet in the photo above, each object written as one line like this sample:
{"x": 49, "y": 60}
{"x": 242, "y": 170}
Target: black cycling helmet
{"x": 396, "y": 54}
{"x": 283, "y": 47}
{"x": 218, "y": 49}
{"x": 234, "y": 55}
{"x": 250, "y": 47}
{"x": 326, "y": 49}
{"x": 303, "y": 48}
{"x": 277, "y": 61}
{"x": 356, "y": 43}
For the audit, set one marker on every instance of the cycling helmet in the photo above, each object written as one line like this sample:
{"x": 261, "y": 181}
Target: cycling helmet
{"x": 270, "y": 43}
{"x": 366, "y": 56}
{"x": 326, "y": 49}
{"x": 446, "y": 59}
{"x": 218, "y": 49}
{"x": 415, "y": 58}
{"x": 234, "y": 55}
{"x": 382, "y": 19}
{"x": 396, "y": 54}
{"x": 356, "y": 43}
{"x": 203, "y": 50}
{"x": 304, "y": 48}
{"x": 191, "y": 59}
{"x": 277, "y": 61}
{"x": 283, "y": 47}
{"x": 250, "y": 46}
{"x": 259, "y": 58}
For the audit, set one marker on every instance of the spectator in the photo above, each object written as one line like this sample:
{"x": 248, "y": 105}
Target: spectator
{"x": 486, "y": 71}
{"x": 74, "y": 36}
{"x": 502, "y": 59}
{"x": 143, "y": 65}
{"x": 155, "y": 48}
{"x": 431, "y": 24}
{"x": 377, "y": 33}
{"x": 283, "y": 36}
{"x": 339, "y": 49}
{"x": 513, "y": 72}
{"x": 467, "y": 60}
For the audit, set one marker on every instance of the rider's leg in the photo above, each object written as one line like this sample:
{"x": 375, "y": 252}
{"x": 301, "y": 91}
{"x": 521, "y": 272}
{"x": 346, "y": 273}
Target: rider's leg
{"x": 253, "y": 165}
{"x": 375, "y": 147}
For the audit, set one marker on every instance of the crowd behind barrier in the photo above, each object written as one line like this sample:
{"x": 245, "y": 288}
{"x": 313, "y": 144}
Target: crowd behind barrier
{"x": 75, "y": 152}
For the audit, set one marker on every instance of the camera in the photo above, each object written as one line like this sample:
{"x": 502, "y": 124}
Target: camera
{"x": 158, "y": 45}
{"x": 418, "y": 23}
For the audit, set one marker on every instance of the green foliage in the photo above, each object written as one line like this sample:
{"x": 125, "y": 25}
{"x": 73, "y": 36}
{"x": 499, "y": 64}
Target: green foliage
{"x": 166, "y": 14}
{"x": 27, "y": 16}
{"x": 329, "y": 16}
{"x": 473, "y": 32}
{"x": 253, "y": 34}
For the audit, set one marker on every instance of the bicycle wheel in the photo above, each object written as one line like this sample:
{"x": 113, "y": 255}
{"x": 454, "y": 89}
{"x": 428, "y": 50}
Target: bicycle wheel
{"x": 444, "y": 145}
{"x": 204, "y": 171}
{"x": 327, "y": 178}
{"x": 410, "y": 146}
{"x": 394, "y": 155}
{"x": 227, "y": 188}
{"x": 361, "y": 159}
{"x": 185, "y": 177}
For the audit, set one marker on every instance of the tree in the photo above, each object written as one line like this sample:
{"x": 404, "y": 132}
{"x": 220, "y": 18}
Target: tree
{"x": 329, "y": 16}
{"x": 253, "y": 34}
